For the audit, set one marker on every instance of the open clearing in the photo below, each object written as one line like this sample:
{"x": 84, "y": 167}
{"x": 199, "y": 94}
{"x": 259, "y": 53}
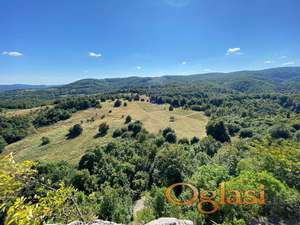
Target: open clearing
{"x": 154, "y": 117}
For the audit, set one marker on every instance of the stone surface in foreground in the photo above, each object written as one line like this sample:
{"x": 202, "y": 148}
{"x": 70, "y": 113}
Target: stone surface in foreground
{"x": 160, "y": 221}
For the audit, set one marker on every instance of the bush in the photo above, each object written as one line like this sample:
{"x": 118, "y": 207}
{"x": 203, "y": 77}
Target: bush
{"x": 117, "y": 133}
{"x": 125, "y": 104}
{"x": 2, "y": 144}
{"x": 171, "y": 137}
{"x": 184, "y": 141}
{"x": 135, "y": 127}
{"x": 75, "y": 131}
{"x": 45, "y": 140}
{"x": 171, "y": 108}
{"x": 297, "y": 136}
{"x": 246, "y": 133}
{"x": 167, "y": 130}
{"x": 117, "y": 103}
{"x": 218, "y": 131}
{"x": 103, "y": 128}
{"x": 128, "y": 119}
{"x": 194, "y": 140}
{"x": 279, "y": 131}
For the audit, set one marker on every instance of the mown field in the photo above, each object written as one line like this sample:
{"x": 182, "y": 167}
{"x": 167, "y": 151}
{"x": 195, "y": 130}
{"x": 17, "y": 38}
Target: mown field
{"x": 186, "y": 123}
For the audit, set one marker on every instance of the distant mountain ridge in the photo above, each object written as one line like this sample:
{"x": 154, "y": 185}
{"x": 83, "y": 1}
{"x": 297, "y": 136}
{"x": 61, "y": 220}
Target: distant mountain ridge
{"x": 275, "y": 79}
{"x": 12, "y": 87}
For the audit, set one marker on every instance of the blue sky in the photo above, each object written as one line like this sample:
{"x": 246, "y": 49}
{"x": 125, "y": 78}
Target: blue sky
{"x": 60, "y": 41}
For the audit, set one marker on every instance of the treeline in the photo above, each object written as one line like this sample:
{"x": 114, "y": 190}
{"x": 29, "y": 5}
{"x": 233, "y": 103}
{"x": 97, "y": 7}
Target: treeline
{"x": 15, "y": 128}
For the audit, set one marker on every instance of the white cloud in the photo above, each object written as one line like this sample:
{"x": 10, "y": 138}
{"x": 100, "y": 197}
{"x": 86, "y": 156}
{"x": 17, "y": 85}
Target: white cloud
{"x": 283, "y": 57}
{"x": 207, "y": 70}
{"x": 94, "y": 54}
{"x": 138, "y": 67}
{"x": 12, "y": 53}
{"x": 288, "y": 63}
{"x": 268, "y": 62}
{"x": 184, "y": 63}
{"x": 233, "y": 51}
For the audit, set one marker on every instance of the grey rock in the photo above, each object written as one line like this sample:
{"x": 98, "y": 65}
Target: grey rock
{"x": 170, "y": 221}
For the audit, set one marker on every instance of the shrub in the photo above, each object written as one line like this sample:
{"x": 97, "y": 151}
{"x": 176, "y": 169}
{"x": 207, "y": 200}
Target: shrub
{"x": 167, "y": 130}
{"x": 297, "y": 136}
{"x": 218, "y": 131}
{"x": 128, "y": 119}
{"x": 172, "y": 119}
{"x": 125, "y": 104}
{"x": 2, "y": 144}
{"x": 279, "y": 131}
{"x": 45, "y": 140}
{"x": 171, "y": 108}
{"x": 75, "y": 131}
{"x": 117, "y": 133}
{"x": 171, "y": 137}
{"x": 135, "y": 127}
{"x": 194, "y": 140}
{"x": 183, "y": 141}
{"x": 246, "y": 133}
{"x": 117, "y": 103}
{"x": 103, "y": 128}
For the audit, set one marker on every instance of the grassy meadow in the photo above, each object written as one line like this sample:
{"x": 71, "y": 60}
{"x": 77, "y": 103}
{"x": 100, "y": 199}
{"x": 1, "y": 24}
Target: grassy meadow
{"x": 186, "y": 123}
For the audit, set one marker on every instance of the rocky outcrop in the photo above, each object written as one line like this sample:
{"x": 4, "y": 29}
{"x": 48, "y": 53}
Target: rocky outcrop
{"x": 170, "y": 221}
{"x": 160, "y": 221}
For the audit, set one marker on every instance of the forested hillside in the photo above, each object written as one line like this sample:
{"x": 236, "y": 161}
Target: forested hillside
{"x": 94, "y": 147}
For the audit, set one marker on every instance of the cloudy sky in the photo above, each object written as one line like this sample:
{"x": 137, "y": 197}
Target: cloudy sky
{"x": 59, "y": 41}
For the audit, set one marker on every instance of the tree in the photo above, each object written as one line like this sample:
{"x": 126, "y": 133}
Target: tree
{"x": 2, "y": 144}
{"x": 125, "y": 104}
{"x": 279, "y": 131}
{"x": 183, "y": 141}
{"x": 45, "y": 140}
{"x": 103, "y": 128}
{"x": 171, "y": 137}
{"x": 167, "y": 130}
{"x": 194, "y": 140}
{"x": 171, "y": 108}
{"x": 128, "y": 119}
{"x": 75, "y": 131}
{"x": 117, "y": 103}
{"x": 246, "y": 133}
{"x": 218, "y": 131}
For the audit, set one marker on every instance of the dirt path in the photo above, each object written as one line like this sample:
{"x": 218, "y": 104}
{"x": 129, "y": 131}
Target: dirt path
{"x": 138, "y": 205}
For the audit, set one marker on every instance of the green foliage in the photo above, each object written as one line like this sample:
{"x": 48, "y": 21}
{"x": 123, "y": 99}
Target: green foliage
{"x": 2, "y": 144}
{"x": 218, "y": 131}
{"x": 83, "y": 181}
{"x": 171, "y": 137}
{"x": 171, "y": 108}
{"x": 184, "y": 141}
{"x": 246, "y": 133}
{"x": 279, "y": 131}
{"x": 208, "y": 145}
{"x": 115, "y": 205}
{"x": 103, "y": 128}
{"x": 281, "y": 201}
{"x": 45, "y": 140}
{"x": 128, "y": 119}
{"x": 14, "y": 128}
{"x": 117, "y": 103}
{"x": 194, "y": 140}
{"x": 208, "y": 177}
{"x": 51, "y": 116}
{"x": 75, "y": 131}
